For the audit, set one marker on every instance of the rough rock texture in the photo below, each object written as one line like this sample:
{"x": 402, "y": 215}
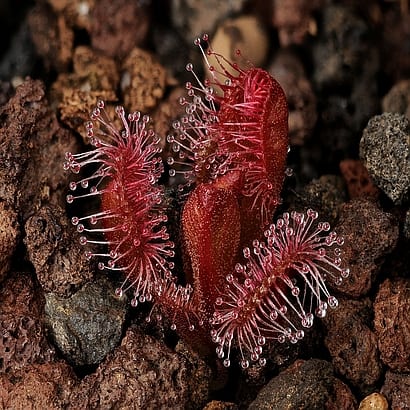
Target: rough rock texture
{"x": 398, "y": 99}
{"x": 88, "y": 325}
{"x": 396, "y": 388}
{"x": 23, "y": 337}
{"x": 385, "y": 150}
{"x": 142, "y": 373}
{"x": 9, "y": 235}
{"x": 352, "y": 344}
{"x": 392, "y": 323}
{"x": 94, "y": 77}
{"x": 370, "y": 234}
{"x": 32, "y": 151}
{"x": 143, "y": 81}
{"x": 358, "y": 181}
{"x": 41, "y": 386}
{"x": 117, "y": 27}
{"x": 305, "y": 385}
{"x": 59, "y": 260}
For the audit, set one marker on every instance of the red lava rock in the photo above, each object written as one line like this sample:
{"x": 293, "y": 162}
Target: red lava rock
{"x": 352, "y": 344}
{"x": 143, "y": 373}
{"x": 9, "y": 235}
{"x": 290, "y": 73}
{"x": 294, "y": 20}
{"x": 23, "y": 338}
{"x": 358, "y": 181}
{"x": 41, "y": 386}
{"x": 392, "y": 323}
{"x": 33, "y": 148}
{"x": 59, "y": 260}
{"x": 305, "y": 385}
{"x": 396, "y": 388}
{"x": 117, "y": 27}
{"x": 370, "y": 234}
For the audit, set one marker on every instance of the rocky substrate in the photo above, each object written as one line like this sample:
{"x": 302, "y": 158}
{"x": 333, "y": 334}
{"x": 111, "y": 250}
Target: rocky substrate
{"x": 66, "y": 340}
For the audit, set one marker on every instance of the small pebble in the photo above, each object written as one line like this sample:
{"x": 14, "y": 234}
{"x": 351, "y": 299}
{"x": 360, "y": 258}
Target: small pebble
{"x": 374, "y": 401}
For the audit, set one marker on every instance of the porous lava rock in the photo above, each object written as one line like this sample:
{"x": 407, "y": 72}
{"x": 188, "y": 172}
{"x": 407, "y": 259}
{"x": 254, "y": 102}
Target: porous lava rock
{"x": 392, "y": 323}
{"x": 9, "y": 235}
{"x": 33, "y": 145}
{"x": 396, "y": 388}
{"x": 53, "y": 249}
{"x": 370, "y": 234}
{"x": 23, "y": 339}
{"x": 39, "y": 386}
{"x": 352, "y": 344}
{"x": 143, "y": 373}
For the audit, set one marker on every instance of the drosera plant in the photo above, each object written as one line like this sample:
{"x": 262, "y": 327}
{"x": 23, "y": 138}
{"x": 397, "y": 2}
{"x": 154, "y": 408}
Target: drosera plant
{"x": 241, "y": 128}
{"x": 231, "y": 149}
{"x": 125, "y": 167}
{"x": 285, "y": 273}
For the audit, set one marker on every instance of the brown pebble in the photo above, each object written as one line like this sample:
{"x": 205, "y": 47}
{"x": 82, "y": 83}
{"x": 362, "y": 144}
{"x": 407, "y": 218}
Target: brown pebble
{"x": 374, "y": 401}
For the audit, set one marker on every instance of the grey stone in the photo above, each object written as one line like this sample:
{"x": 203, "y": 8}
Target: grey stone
{"x": 385, "y": 150}
{"x": 88, "y": 325}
